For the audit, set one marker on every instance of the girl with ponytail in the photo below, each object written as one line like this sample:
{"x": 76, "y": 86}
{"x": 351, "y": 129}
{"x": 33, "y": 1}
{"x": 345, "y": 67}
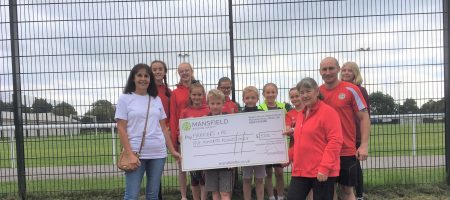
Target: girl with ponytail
{"x": 159, "y": 69}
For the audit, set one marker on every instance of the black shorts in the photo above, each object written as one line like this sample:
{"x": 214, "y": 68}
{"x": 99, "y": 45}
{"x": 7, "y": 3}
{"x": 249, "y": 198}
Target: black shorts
{"x": 197, "y": 178}
{"x": 301, "y": 186}
{"x": 348, "y": 175}
{"x": 273, "y": 165}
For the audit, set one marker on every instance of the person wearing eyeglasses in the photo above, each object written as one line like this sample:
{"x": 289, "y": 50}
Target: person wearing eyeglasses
{"x": 225, "y": 86}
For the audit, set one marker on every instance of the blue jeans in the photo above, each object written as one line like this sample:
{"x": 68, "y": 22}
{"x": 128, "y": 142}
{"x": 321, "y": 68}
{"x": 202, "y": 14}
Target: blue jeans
{"x": 153, "y": 168}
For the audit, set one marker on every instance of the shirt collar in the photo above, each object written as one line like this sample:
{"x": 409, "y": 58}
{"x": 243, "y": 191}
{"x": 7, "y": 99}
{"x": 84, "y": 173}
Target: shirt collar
{"x": 247, "y": 109}
{"x": 313, "y": 109}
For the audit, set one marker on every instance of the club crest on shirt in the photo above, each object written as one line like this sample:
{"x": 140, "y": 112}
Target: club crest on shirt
{"x": 341, "y": 96}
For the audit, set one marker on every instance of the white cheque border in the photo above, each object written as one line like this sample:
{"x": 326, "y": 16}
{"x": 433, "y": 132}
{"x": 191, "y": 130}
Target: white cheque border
{"x": 270, "y": 145}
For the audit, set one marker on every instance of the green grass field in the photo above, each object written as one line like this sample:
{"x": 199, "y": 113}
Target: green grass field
{"x": 416, "y": 192}
{"x": 91, "y": 149}
{"x": 376, "y": 181}
{"x": 84, "y": 149}
{"x": 82, "y": 184}
{"x": 397, "y": 139}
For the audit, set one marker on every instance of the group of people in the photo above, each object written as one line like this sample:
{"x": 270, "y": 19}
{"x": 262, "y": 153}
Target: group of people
{"x": 322, "y": 127}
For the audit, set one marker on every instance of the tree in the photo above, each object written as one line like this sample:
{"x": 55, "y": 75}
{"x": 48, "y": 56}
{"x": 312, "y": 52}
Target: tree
{"x": 382, "y": 104}
{"x": 440, "y": 106}
{"x": 64, "y": 109}
{"x": 9, "y": 107}
{"x": 41, "y": 105}
{"x": 6, "y": 106}
{"x": 428, "y": 107}
{"x": 433, "y": 106}
{"x": 103, "y": 110}
{"x": 409, "y": 107}
{"x": 26, "y": 109}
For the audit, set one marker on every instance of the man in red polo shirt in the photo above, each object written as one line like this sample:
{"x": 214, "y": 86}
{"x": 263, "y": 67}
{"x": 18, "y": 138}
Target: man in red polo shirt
{"x": 349, "y": 103}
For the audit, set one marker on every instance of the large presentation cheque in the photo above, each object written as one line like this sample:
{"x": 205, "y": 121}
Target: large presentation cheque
{"x": 243, "y": 139}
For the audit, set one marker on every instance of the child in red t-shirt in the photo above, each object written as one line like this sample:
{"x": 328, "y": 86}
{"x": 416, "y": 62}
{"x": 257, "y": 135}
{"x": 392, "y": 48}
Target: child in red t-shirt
{"x": 225, "y": 86}
{"x": 291, "y": 116}
{"x": 179, "y": 101}
{"x": 159, "y": 69}
{"x": 196, "y": 108}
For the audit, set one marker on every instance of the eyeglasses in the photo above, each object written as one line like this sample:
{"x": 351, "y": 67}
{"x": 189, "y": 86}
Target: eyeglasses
{"x": 225, "y": 88}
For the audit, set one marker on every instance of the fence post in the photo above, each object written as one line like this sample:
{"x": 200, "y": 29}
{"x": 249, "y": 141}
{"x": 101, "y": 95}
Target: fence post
{"x": 414, "y": 135}
{"x": 113, "y": 143}
{"x": 11, "y": 148}
{"x": 233, "y": 77}
{"x": 446, "y": 33}
{"x": 230, "y": 25}
{"x": 17, "y": 98}
{"x": 1, "y": 124}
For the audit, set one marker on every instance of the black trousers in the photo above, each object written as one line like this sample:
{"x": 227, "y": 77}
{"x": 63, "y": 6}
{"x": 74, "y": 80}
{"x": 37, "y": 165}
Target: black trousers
{"x": 300, "y": 187}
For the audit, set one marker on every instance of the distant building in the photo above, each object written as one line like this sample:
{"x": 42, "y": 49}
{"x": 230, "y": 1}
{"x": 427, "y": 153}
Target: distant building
{"x": 31, "y": 119}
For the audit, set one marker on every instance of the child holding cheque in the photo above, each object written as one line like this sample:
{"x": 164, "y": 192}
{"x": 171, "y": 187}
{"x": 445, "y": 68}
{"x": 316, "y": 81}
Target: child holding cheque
{"x": 218, "y": 181}
{"x": 196, "y": 108}
{"x": 250, "y": 96}
{"x": 291, "y": 116}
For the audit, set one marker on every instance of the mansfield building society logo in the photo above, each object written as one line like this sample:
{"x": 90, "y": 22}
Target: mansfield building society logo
{"x": 186, "y": 126}
{"x": 209, "y": 123}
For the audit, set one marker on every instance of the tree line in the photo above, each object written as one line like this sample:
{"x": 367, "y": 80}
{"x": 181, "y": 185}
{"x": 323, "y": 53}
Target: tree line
{"x": 384, "y": 104}
{"x": 103, "y": 110}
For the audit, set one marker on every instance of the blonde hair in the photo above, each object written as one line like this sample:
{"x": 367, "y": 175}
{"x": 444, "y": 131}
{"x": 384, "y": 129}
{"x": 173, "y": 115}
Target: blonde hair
{"x": 250, "y": 89}
{"x": 195, "y": 85}
{"x": 270, "y": 84}
{"x": 190, "y": 67}
{"x": 215, "y": 94}
{"x": 355, "y": 69}
{"x": 187, "y": 64}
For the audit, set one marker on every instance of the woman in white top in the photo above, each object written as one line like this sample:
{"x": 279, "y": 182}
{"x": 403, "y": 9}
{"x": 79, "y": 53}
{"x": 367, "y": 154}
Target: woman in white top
{"x": 131, "y": 112}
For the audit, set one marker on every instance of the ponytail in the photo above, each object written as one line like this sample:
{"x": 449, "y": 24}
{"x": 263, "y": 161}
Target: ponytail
{"x": 167, "y": 87}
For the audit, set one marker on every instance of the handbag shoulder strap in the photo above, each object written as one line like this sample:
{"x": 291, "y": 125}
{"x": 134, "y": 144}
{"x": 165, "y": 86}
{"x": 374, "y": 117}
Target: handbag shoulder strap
{"x": 145, "y": 127}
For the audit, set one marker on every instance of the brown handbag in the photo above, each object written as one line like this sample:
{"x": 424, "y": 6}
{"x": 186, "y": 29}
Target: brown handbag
{"x": 124, "y": 162}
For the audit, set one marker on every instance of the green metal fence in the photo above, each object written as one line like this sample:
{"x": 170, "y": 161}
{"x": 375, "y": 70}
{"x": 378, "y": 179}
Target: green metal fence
{"x": 75, "y": 55}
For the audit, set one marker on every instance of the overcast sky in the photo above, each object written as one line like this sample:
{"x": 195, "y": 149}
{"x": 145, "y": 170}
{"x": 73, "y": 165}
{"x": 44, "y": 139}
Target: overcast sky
{"x": 81, "y": 52}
